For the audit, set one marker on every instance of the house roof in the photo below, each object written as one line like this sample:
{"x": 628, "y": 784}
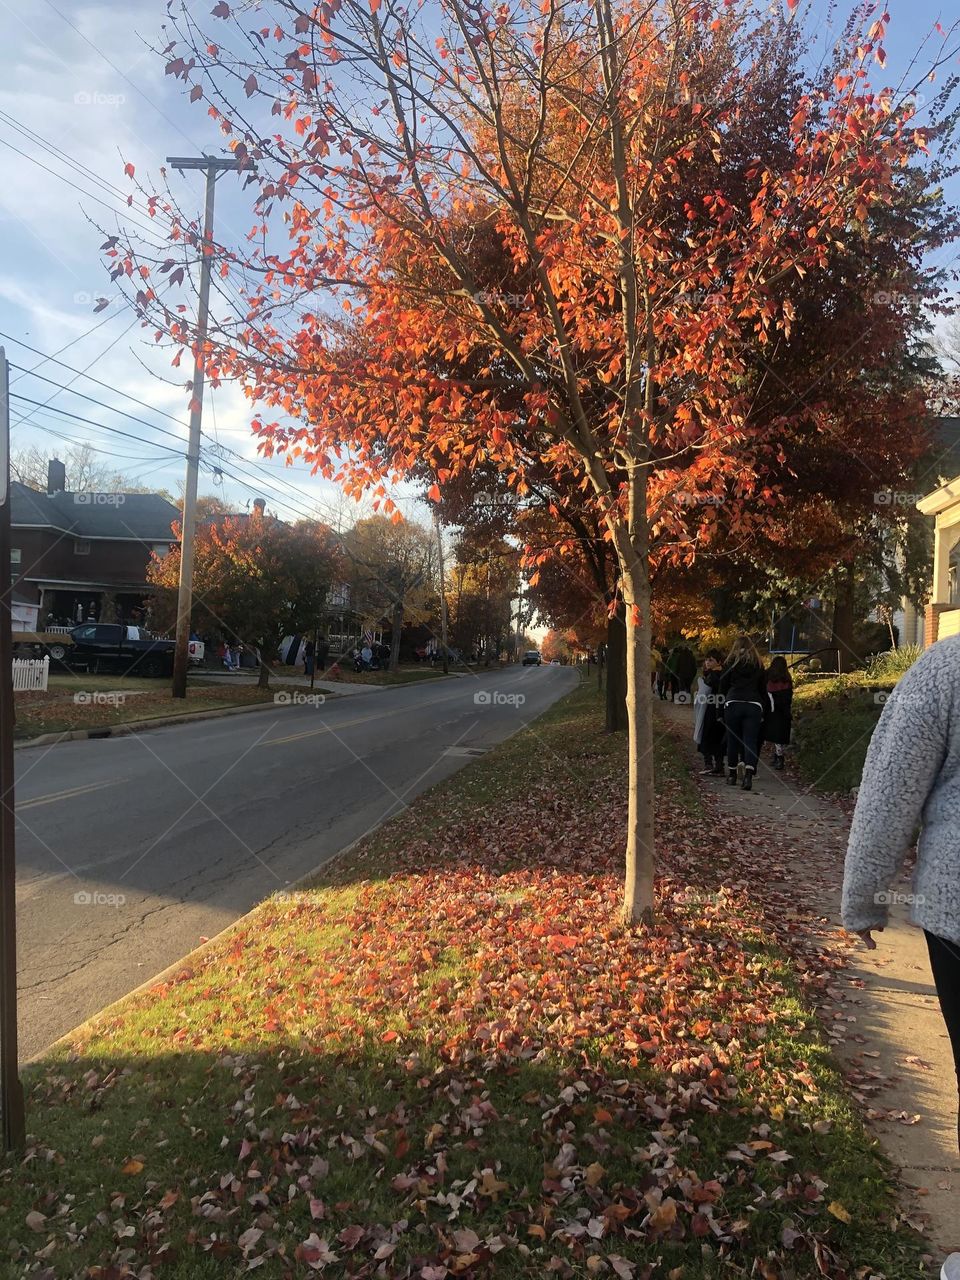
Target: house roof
{"x": 140, "y": 517}
{"x": 946, "y": 496}
{"x": 945, "y": 453}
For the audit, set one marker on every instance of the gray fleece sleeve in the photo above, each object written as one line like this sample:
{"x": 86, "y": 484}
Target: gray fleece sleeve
{"x": 903, "y": 760}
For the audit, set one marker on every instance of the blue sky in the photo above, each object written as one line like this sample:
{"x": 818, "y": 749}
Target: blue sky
{"x": 81, "y": 78}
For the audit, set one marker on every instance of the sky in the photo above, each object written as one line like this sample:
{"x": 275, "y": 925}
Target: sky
{"x": 78, "y": 83}
{"x": 79, "y": 86}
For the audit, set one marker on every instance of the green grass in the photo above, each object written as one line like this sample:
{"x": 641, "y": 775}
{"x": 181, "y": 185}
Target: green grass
{"x": 321, "y": 1067}
{"x": 833, "y": 722}
{"x": 67, "y": 704}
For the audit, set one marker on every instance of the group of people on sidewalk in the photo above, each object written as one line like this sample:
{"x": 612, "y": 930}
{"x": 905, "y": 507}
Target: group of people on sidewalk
{"x": 739, "y": 705}
{"x": 910, "y": 784}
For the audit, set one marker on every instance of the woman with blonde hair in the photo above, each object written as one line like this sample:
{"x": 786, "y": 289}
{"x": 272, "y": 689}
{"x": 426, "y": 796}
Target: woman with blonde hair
{"x": 743, "y": 685}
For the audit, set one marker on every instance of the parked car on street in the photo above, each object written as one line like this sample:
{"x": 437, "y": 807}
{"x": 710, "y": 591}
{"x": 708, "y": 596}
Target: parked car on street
{"x": 555, "y": 662}
{"x": 532, "y": 658}
{"x": 108, "y": 646}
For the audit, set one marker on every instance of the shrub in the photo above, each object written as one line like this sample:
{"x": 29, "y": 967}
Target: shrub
{"x": 894, "y": 662}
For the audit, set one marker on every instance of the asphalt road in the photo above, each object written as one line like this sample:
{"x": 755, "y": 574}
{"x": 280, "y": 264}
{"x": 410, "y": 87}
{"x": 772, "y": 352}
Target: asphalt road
{"x": 131, "y": 849}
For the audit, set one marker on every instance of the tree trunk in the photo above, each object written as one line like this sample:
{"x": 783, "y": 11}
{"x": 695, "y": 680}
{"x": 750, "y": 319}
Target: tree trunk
{"x": 395, "y": 636}
{"x": 843, "y": 616}
{"x": 638, "y": 887}
{"x": 616, "y": 655}
{"x": 264, "y": 680}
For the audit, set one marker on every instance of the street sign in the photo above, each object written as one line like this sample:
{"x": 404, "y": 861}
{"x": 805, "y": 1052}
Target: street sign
{"x": 12, "y": 1122}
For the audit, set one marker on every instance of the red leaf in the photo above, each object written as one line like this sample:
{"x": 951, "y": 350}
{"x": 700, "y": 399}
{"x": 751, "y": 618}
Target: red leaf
{"x": 128, "y": 170}
{"x": 433, "y": 493}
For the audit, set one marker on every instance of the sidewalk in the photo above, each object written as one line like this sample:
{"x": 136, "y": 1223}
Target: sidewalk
{"x": 883, "y": 1021}
{"x": 252, "y": 676}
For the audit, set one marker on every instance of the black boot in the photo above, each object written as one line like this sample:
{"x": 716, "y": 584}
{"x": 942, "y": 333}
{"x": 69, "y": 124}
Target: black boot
{"x": 731, "y": 777}
{"x": 777, "y": 761}
{"x": 747, "y": 783}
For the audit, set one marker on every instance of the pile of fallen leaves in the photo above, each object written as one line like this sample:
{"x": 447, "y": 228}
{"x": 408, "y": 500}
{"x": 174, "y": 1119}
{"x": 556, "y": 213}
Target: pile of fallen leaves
{"x": 454, "y": 1060}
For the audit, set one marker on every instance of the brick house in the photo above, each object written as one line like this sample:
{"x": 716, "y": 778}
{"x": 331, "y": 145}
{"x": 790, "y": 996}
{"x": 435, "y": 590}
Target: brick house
{"x": 77, "y": 555}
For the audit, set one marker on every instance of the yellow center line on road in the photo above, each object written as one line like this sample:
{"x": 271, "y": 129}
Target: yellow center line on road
{"x": 68, "y": 794}
{"x": 349, "y": 724}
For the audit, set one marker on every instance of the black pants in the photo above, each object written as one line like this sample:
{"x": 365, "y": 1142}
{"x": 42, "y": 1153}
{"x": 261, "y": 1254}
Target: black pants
{"x": 744, "y": 721}
{"x": 945, "y": 963}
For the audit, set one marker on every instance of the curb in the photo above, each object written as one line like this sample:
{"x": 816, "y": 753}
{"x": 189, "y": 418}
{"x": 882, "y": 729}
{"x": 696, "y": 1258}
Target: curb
{"x": 69, "y": 1038}
{"x": 138, "y": 726}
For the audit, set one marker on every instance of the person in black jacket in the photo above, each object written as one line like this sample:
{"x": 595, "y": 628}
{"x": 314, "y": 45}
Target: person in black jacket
{"x": 778, "y": 724}
{"x": 743, "y": 684}
{"x": 708, "y": 723}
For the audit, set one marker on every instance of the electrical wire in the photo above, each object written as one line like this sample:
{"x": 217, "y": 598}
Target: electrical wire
{"x": 100, "y": 404}
{"x": 99, "y": 426}
{"x": 23, "y": 421}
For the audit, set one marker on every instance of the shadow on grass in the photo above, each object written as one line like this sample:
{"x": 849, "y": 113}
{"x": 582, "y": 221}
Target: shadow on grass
{"x": 396, "y": 1158}
{"x": 451, "y": 1058}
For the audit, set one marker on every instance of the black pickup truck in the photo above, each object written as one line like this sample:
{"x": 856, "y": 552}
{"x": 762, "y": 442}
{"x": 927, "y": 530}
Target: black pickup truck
{"x": 107, "y": 646}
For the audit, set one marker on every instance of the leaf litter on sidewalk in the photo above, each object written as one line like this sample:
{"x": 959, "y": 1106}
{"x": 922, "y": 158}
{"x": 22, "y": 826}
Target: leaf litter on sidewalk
{"x": 451, "y": 1058}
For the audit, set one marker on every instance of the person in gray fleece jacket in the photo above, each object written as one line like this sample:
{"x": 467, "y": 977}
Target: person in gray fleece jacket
{"x": 911, "y": 780}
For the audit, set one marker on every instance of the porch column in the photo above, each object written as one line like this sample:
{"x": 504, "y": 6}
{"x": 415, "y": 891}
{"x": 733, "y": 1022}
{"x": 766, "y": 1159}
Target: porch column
{"x": 942, "y": 546}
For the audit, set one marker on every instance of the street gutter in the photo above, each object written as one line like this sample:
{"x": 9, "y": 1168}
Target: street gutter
{"x": 138, "y": 726}
{"x": 191, "y": 959}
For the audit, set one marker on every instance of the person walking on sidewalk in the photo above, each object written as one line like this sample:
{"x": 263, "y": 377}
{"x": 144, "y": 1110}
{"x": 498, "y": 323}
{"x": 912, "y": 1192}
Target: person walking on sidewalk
{"x": 911, "y": 779}
{"x": 708, "y": 719}
{"x": 778, "y": 723}
{"x": 743, "y": 684}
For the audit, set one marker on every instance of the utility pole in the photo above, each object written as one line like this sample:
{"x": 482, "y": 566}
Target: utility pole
{"x": 212, "y": 166}
{"x": 443, "y": 593}
{"x": 12, "y": 1119}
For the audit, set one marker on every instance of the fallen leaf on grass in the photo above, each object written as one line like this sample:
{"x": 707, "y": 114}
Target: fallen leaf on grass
{"x": 838, "y": 1211}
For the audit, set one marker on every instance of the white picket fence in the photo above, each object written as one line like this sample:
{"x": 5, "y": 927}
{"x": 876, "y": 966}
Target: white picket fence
{"x": 30, "y": 674}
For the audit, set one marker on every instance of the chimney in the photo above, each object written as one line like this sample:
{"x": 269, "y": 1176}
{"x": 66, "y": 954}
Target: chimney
{"x": 258, "y": 508}
{"x": 56, "y": 476}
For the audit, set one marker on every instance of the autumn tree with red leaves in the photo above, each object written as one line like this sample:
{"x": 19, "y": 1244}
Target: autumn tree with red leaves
{"x": 256, "y": 579}
{"x": 653, "y": 240}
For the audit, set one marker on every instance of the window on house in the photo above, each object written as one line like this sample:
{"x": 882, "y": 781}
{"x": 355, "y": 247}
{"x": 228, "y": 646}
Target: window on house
{"x": 14, "y": 557}
{"x": 81, "y": 547}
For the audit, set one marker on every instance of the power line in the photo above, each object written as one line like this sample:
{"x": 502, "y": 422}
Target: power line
{"x": 280, "y": 492}
{"x": 79, "y": 338}
{"x": 233, "y": 299}
{"x": 23, "y": 421}
{"x": 90, "y": 423}
{"x": 63, "y": 178}
{"x": 100, "y": 404}
{"x": 85, "y": 444}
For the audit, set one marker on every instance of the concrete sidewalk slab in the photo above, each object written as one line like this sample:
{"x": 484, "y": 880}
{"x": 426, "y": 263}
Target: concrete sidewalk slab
{"x": 301, "y": 682}
{"x": 883, "y": 1018}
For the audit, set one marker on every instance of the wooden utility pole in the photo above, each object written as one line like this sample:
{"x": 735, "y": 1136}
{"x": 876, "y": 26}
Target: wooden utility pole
{"x": 12, "y": 1118}
{"x": 212, "y": 166}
